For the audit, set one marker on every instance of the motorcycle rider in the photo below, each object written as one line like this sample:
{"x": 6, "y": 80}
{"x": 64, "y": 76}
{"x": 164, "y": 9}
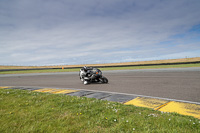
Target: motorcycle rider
{"x": 84, "y": 72}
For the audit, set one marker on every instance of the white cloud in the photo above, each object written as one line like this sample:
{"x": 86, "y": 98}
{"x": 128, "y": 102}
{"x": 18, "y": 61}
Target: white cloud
{"x": 78, "y": 32}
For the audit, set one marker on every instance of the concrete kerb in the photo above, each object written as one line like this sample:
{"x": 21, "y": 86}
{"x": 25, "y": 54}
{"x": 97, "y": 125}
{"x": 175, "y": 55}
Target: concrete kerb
{"x": 156, "y": 103}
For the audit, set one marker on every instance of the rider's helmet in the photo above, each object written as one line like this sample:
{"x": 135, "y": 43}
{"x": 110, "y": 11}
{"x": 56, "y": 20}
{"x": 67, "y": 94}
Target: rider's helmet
{"x": 85, "y": 68}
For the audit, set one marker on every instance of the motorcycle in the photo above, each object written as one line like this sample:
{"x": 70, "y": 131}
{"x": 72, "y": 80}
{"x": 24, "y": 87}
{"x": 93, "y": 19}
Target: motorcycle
{"x": 92, "y": 75}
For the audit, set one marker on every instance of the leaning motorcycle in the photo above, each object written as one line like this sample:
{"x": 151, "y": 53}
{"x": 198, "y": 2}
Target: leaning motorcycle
{"x": 93, "y": 75}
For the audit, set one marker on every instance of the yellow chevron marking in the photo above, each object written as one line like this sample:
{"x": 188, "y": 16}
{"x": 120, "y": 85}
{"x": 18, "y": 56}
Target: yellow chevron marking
{"x": 64, "y": 91}
{"x": 4, "y": 87}
{"x": 182, "y": 108}
{"x": 56, "y": 91}
{"x": 162, "y": 105}
{"x": 146, "y": 102}
{"x": 43, "y": 90}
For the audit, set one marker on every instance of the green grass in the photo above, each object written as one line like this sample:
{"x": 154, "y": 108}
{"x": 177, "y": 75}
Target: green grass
{"x": 152, "y": 67}
{"x": 28, "y": 111}
{"x": 40, "y": 71}
{"x": 104, "y": 69}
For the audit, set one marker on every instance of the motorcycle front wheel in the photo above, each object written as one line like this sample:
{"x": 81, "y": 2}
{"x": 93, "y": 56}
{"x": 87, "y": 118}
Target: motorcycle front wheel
{"x": 103, "y": 80}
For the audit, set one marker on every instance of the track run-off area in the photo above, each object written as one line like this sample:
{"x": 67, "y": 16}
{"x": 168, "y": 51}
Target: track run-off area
{"x": 168, "y": 90}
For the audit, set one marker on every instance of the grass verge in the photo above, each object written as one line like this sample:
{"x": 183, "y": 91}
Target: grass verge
{"x": 28, "y": 111}
{"x": 40, "y": 71}
{"x": 104, "y": 69}
{"x": 152, "y": 67}
{"x": 195, "y": 59}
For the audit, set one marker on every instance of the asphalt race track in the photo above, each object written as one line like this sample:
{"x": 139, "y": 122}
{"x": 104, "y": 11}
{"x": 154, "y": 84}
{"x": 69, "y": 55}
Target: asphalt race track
{"x": 171, "y": 83}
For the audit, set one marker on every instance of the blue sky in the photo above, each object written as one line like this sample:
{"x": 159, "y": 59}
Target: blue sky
{"x": 61, "y": 32}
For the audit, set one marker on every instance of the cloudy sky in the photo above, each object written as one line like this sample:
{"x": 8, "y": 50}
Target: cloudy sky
{"x": 57, "y": 32}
